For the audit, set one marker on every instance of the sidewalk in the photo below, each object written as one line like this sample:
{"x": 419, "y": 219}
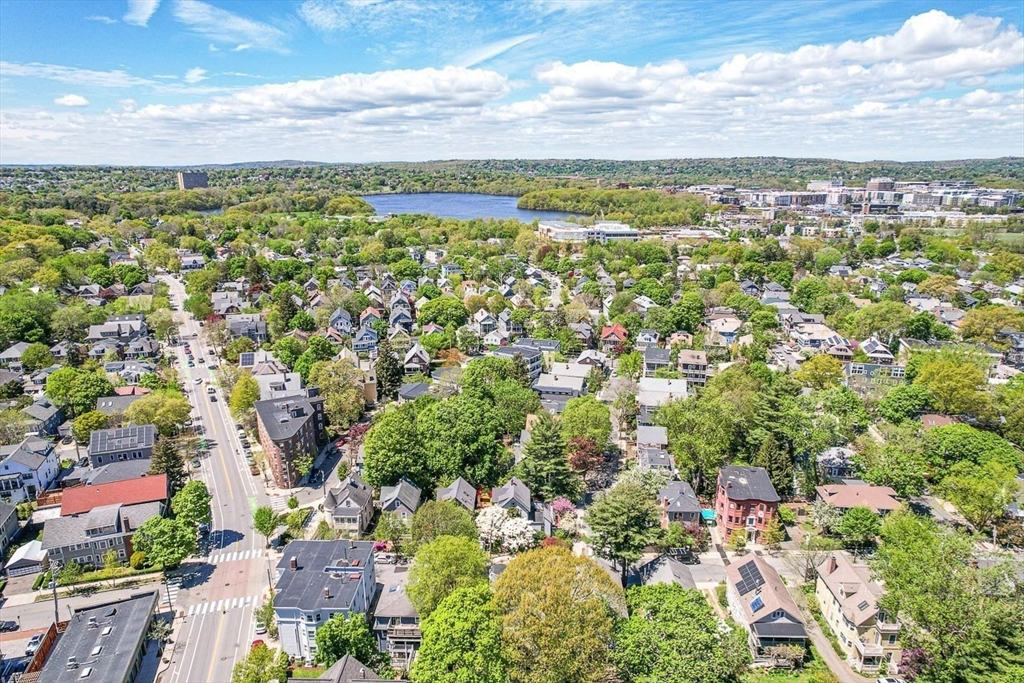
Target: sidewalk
{"x": 821, "y": 642}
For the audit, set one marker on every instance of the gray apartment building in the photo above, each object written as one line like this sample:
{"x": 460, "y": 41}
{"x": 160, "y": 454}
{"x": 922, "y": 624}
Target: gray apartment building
{"x": 316, "y": 580}
{"x": 85, "y": 538}
{"x": 124, "y": 443}
{"x": 289, "y": 428}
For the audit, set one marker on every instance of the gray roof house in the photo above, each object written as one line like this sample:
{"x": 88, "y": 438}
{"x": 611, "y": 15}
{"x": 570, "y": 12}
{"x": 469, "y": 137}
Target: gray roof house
{"x": 42, "y": 416}
{"x": 679, "y": 503}
{"x": 127, "y": 443}
{"x": 27, "y": 469}
{"x": 403, "y": 498}
{"x": 459, "y": 491}
{"x": 86, "y": 537}
{"x": 349, "y": 507}
{"x": 9, "y": 527}
{"x": 348, "y": 669}
{"x": 516, "y": 495}
{"x": 315, "y": 580}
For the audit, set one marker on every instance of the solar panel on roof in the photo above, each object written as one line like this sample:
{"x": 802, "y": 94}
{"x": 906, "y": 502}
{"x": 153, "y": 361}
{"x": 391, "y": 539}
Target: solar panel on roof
{"x": 750, "y": 578}
{"x": 756, "y": 604}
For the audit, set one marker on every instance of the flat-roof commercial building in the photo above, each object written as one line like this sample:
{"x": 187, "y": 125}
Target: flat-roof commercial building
{"x": 603, "y": 232}
{"x": 105, "y": 642}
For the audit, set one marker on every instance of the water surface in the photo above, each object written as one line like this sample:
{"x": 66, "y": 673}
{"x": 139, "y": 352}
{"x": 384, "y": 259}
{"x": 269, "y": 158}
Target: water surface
{"x": 457, "y": 205}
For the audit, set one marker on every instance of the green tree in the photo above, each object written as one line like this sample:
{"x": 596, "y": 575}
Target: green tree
{"x": 244, "y": 395}
{"x": 980, "y": 492}
{"x": 351, "y": 635}
{"x": 778, "y": 465}
{"x": 556, "y": 611}
{"x": 265, "y": 521}
{"x": 391, "y": 529}
{"x": 236, "y": 347}
{"x": 820, "y": 372}
{"x": 673, "y": 636}
{"x": 699, "y": 437}
{"x": 341, "y": 385}
{"x": 623, "y": 521}
{"x": 443, "y": 310}
{"x": 955, "y": 386}
{"x": 859, "y": 525}
{"x": 85, "y": 389}
{"x": 166, "y": 411}
{"x": 169, "y": 459}
{"x": 392, "y": 449}
{"x": 460, "y": 436}
{"x": 737, "y": 540}
{"x": 520, "y": 371}
{"x": 443, "y": 566}
{"x": 461, "y": 641}
{"x": 259, "y": 665}
{"x": 774, "y": 534}
{"x": 389, "y": 371}
{"x": 585, "y": 416}
{"x": 688, "y": 312}
{"x": 630, "y": 364}
{"x": 86, "y": 423}
{"x": 36, "y": 357}
{"x": 545, "y": 467}
{"x": 957, "y": 611}
{"x": 166, "y": 542}
{"x": 191, "y": 505}
{"x": 904, "y": 402}
{"x": 945, "y": 446}
{"x": 436, "y": 518}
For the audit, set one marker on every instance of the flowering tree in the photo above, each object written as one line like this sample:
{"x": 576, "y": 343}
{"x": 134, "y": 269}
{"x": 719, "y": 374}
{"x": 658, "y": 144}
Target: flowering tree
{"x": 504, "y": 529}
{"x": 566, "y": 518}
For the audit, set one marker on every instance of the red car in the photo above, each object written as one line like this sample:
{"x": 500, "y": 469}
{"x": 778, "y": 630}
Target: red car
{"x": 257, "y": 643}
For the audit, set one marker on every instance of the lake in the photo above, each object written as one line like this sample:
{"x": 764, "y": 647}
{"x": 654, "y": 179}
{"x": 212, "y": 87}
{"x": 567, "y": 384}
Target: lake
{"x": 456, "y": 205}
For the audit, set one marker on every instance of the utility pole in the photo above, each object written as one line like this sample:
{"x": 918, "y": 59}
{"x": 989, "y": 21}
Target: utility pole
{"x": 54, "y": 568}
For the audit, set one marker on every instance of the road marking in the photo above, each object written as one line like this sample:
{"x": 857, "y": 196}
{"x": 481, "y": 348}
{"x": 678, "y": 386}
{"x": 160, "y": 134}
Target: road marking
{"x": 213, "y": 660}
{"x": 221, "y": 605}
{"x": 236, "y": 556}
{"x": 173, "y": 590}
{"x": 278, "y": 503}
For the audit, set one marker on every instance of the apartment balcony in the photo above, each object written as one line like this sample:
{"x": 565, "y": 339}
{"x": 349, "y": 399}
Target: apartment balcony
{"x": 887, "y": 627}
{"x": 404, "y": 632}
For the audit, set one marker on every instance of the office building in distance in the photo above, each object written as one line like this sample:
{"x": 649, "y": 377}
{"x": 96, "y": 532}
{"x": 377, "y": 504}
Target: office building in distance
{"x": 190, "y": 180}
{"x": 603, "y": 232}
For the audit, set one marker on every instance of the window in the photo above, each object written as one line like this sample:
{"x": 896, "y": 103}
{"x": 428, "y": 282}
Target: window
{"x": 892, "y": 639}
{"x": 732, "y": 506}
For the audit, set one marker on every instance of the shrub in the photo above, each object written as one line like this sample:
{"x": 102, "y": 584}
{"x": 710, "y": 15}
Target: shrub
{"x": 787, "y": 515}
{"x": 293, "y": 503}
{"x": 723, "y": 599}
{"x": 137, "y": 560}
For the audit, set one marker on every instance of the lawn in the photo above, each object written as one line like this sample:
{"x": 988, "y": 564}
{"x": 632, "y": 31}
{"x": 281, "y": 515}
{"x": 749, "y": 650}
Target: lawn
{"x": 308, "y": 673}
{"x": 814, "y": 671}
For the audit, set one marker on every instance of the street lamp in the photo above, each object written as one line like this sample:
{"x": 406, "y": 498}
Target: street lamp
{"x": 54, "y": 568}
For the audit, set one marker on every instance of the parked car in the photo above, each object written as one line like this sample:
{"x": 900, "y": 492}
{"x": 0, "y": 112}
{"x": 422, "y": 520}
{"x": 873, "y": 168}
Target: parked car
{"x": 256, "y": 643}
{"x": 67, "y": 440}
{"x": 83, "y": 461}
{"x": 261, "y": 628}
{"x": 201, "y": 361}
{"x": 213, "y": 399}
{"x": 33, "y": 644}
{"x": 197, "y": 380}
{"x": 204, "y": 529}
{"x": 196, "y": 464}
{"x": 6, "y": 626}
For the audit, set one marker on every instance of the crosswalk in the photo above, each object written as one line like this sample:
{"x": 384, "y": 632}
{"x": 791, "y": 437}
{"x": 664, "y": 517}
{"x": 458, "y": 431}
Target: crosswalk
{"x": 278, "y": 504}
{"x": 169, "y": 594}
{"x": 235, "y": 556}
{"x": 221, "y": 605}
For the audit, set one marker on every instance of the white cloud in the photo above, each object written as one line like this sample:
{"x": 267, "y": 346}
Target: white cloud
{"x": 73, "y": 75}
{"x": 140, "y": 11}
{"x": 489, "y": 52}
{"x": 101, "y": 19}
{"x": 71, "y": 101}
{"x": 381, "y": 15}
{"x": 195, "y": 75}
{"x": 222, "y": 26}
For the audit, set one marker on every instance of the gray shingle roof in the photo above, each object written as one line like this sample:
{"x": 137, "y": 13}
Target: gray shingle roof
{"x": 31, "y": 452}
{"x": 404, "y": 491}
{"x": 747, "y": 483}
{"x": 279, "y": 416}
{"x": 460, "y": 491}
{"x": 353, "y": 488}
{"x": 514, "y": 491}
{"x": 678, "y": 496}
{"x": 304, "y": 588}
{"x": 61, "y": 532}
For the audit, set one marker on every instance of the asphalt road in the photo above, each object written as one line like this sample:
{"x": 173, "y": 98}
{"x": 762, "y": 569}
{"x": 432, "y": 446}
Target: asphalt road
{"x": 224, "y": 585}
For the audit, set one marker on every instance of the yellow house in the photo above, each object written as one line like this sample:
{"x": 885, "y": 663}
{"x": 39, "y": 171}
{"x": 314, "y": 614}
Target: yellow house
{"x": 848, "y": 596}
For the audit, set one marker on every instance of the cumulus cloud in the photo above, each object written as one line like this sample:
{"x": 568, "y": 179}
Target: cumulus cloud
{"x": 140, "y": 11}
{"x": 71, "y": 101}
{"x": 222, "y": 26}
{"x": 195, "y": 75}
{"x": 938, "y": 87}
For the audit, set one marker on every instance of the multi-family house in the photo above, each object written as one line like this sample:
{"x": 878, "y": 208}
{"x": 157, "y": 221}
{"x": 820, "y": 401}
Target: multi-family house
{"x": 723, "y": 330}
{"x": 403, "y": 499}
{"x": 11, "y": 356}
{"x": 849, "y": 596}
{"x": 365, "y": 341}
{"x": 693, "y": 366}
{"x": 484, "y": 322}
{"x": 815, "y": 336}
{"x": 402, "y": 318}
{"x": 249, "y": 325}
{"x": 416, "y": 360}
{"x": 509, "y": 328}
{"x": 879, "y": 499}
{"x": 27, "y": 469}
{"x": 290, "y": 429}
{"x": 341, "y": 321}
{"x": 745, "y": 500}
{"x": 877, "y": 352}
{"x": 120, "y": 444}
{"x": 42, "y": 417}
{"x": 9, "y": 527}
{"x": 349, "y": 507}
{"x": 401, "y": 341}
{"x": 656, "y": 359}
{"x": 316, "y": 580}
{"x": 759, "y": 601}
{"x": 612, "y": 335}
{"x": 396, "y": 625}
{"x": 533, "y": 358}
{"x": 86, "y": 537}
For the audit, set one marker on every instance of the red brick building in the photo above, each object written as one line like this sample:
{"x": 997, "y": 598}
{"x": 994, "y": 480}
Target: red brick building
{"x": 745, "y": 500}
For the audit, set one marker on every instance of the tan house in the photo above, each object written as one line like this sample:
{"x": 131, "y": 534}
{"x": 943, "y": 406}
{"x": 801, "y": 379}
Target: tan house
{"x": 759, "y": 600}
{"x": 879, "y": 499}
{"x": 849, "y": 603}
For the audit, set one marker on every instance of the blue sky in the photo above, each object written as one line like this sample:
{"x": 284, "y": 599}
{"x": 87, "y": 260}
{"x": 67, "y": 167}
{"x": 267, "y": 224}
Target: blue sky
{"x": 196, "y": 81}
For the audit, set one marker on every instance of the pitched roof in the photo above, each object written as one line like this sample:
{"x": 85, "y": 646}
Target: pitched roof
{"x": 760, "y": 586}
{"x": 678, "y": 496}
{"x": 852, "y": 585}
{"x": 514, "y": 491}
{"x": 459, "y": 491}
{"x": 404, "y": 491}
{"x": 747, "y": 483}
{"x": 127, "y": 492}
{"x": 106, "y": 440}
{"x": 615, "y": 331}
{"x": 876, "y": 498}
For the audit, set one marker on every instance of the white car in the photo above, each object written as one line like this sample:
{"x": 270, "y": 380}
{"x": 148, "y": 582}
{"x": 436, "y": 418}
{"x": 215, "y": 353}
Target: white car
{"x": 261, "y": 628}
{"x": 198, "y": 380}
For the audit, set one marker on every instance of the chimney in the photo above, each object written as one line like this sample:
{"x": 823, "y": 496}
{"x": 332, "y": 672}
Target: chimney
{"x": 294, "y": 564}
{"x": 362, "y": 673}
{"x": 327, "y": 592}
{"x": 665, "y": 501}
{"x": 351, "y": 544}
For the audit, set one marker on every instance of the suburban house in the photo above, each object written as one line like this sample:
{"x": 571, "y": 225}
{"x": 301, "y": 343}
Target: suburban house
{"x": 693, "y": 366}
{"x": 745, "y": 500}
{"x": 316, "y": 580}
{"x": 516, "y": 495}
{"x": 27, "y": 469}
{"x": 534, "y": 358}
{"x": 651, "y": 437}
{"x": 655, "y": 392}
{"x": 396, "y": 625}
{"x": 349, "y": 507}
{"x": 459, "y": 491}
{"x": 85, "y": 538}
{"x": 42, "y": 417}
{"x": 11, "y": 356}
{"x": 612, "y": 335}
{"x": 290, "y": 428}
{"x": 348, "y": 669}
{"x": 647, "y": 339}
{"x": 365, "y": 341}
{"x": 107, "y": 642}
{"x": 9, "y": 527}
{"x": 123, "y": 443}
{"x": 403, "y": 498}
{"x": 559, "y": 387}
{"x": 879, "y": 499}
{"x": 249, "y": 325}
{"x": 153, "y": 488}
{"x": 656, "y": 359}
{"x": 679, "y": 504}
{"x": 416, "y": 360}
{"x": 759, "y": 601}
{"x": 849, "y": 596}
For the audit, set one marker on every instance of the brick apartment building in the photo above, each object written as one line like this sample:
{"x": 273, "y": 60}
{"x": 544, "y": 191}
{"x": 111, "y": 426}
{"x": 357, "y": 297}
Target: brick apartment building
{"x": 290, "y": 427}
{"x": 745, "y": 500}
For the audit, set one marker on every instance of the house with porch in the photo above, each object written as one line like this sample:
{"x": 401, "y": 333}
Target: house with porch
{"x": 761, "y": 604}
